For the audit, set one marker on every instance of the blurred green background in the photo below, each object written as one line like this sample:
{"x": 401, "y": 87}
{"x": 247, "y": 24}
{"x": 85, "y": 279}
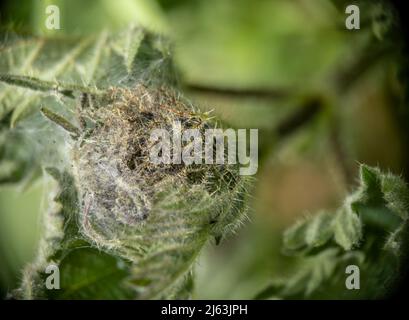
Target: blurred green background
{"x": 256, "y": 64}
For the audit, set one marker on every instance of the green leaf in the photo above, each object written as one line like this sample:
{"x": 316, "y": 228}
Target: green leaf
{"x": 381, "y": 201}
{"x": 309, "y": 233}
{"x": 347, "y": 229}
{"x": 87, "y": 273}
{"x": 370, "y": 230}
{"x": 17, "y": 159}
{"x": 60, "y": 121}
{"x": 65, "y": 65}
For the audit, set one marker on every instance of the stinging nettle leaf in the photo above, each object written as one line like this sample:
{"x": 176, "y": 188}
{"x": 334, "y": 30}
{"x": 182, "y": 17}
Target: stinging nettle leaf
{"x": 347, "y": 229}
{"x": 88, "y": 273}
{"x": 370, "y": 231}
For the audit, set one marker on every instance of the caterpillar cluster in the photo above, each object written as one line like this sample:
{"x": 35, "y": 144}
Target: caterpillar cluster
{"x": 118, "y": 185}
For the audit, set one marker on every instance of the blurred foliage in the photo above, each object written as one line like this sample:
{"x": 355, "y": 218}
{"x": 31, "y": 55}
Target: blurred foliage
{"x": 369, "y": 231}
{"x": 78, "y": 19}
{"x": 257, "y": 64}
{"x": 19, "y": 232}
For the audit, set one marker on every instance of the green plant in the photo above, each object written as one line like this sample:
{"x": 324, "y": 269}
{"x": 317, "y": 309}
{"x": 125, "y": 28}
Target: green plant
{"x": 77, "y": 111}
{"x": 119, "y": 226}
{"x": 370, "y": 231}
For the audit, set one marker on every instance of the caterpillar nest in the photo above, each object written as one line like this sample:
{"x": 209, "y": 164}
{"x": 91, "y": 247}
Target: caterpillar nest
{"x": 156, "y": 215}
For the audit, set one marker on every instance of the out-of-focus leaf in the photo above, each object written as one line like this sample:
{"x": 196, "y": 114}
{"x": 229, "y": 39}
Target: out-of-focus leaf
{"x": 17, "y": 160}
{"x": 369, "y": 230}
{"x": 309, "y": 233}
{"x": 255, "y": 44}
{"x": 347, "y": 229}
